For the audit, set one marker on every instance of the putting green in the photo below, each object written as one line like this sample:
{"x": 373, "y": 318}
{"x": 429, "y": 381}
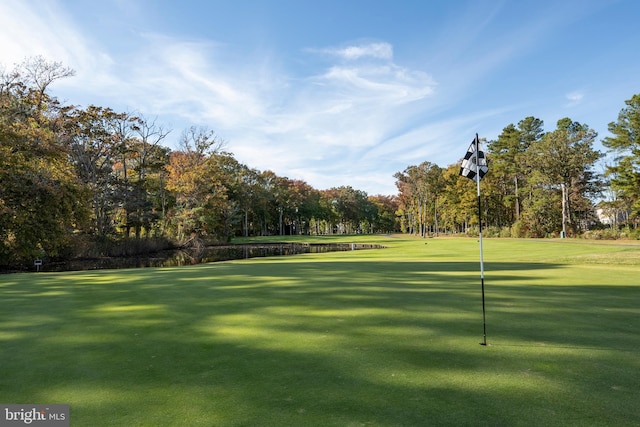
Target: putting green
{"x": 372, "y": 337}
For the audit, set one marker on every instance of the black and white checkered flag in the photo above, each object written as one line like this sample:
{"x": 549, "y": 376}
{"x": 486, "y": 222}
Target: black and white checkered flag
{"x": 474, "y": 162}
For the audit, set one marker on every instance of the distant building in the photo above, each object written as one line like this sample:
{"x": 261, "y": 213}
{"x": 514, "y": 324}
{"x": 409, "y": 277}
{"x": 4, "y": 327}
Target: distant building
{"x": 612, "y": 216}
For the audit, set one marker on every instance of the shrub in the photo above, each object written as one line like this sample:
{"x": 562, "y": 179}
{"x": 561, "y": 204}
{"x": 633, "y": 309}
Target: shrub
{"x": 519, "y": 230}
{"x": 492, "y": 231}
{"x": 612, "y": 234}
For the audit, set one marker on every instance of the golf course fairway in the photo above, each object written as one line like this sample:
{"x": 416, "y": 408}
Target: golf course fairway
{"x": 380, "y": 337}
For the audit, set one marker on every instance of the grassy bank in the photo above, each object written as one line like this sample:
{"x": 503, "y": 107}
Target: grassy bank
{"x": 376, "y": 337}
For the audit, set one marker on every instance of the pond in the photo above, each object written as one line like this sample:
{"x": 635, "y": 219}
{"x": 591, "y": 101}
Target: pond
{"x": 182, "y": 257}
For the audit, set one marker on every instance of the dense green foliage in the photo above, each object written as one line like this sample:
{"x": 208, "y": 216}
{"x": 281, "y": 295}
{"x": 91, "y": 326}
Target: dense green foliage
{"x": 625, "y": 173}
{"x": 91, "y": 181}
{"x": 41, "y": 198}
{"x": 375, "y": 337}
{"x": 533, "y": 176}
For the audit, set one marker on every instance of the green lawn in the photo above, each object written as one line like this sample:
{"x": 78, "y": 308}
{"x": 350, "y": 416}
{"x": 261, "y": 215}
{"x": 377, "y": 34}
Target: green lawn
{"x": 361, "y": 338}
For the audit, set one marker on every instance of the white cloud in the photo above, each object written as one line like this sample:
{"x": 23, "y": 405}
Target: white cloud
{"x": 390, "y": 82}
{"x": 352, "y": 52}
{"x": 373, "y": 50}
{"x": 45, "y": 30}
{"x": 574, "y": 98}
{"x": 20, "y": 40}
{"x": 184, "y": 78}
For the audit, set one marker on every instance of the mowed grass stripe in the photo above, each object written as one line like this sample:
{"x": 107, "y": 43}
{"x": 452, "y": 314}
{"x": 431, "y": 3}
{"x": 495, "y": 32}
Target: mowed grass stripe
{"x": 373, "y": 337}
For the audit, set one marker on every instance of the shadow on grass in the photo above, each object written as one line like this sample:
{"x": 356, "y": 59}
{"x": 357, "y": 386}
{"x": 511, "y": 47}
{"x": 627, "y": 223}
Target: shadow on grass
{"x": 330, "y": 343}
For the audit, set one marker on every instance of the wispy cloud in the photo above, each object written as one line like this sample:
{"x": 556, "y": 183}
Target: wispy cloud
{"x": 574, "y": 98}
{"x": 46, "y": 30}
{"x": 377, "y": 50}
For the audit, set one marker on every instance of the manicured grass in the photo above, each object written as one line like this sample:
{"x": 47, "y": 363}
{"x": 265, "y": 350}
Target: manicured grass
{"x": 366, "y": 338}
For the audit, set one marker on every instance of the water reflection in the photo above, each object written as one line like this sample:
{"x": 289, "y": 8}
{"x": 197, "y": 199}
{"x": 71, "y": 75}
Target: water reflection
{"x": 208, "y": 254}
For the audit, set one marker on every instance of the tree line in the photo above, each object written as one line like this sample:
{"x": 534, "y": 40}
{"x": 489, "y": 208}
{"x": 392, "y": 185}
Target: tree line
{"x": 91, "y": 181}
{"x": 540, "y": 184}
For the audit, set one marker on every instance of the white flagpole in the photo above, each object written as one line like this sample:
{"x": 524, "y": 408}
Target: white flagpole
{"x": 484, "y": 318}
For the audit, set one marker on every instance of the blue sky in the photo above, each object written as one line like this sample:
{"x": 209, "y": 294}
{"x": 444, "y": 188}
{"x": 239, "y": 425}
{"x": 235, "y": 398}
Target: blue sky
{"x": 344, "y": 92}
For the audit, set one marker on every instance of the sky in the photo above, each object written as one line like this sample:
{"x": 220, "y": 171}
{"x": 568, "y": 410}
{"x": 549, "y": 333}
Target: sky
{"x": 337, "y": 92}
